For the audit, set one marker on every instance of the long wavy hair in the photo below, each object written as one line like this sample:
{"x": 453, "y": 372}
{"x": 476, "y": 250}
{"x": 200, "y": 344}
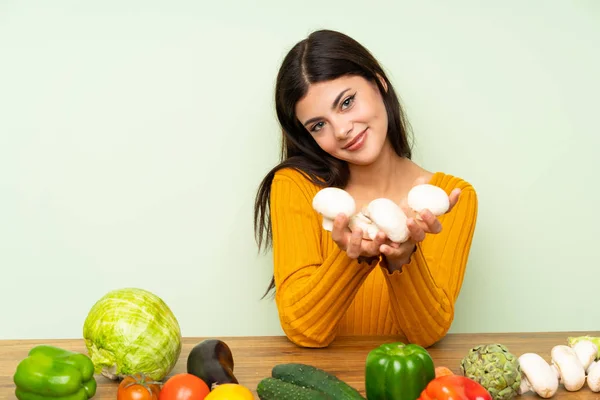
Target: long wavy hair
{"x": 324, "y": 55}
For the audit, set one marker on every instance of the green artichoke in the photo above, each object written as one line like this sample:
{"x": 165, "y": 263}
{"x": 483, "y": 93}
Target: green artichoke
{"x": 495, "y": 368}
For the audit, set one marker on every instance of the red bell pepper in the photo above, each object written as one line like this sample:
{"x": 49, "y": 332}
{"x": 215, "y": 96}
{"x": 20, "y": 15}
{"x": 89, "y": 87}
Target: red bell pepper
{"x": 454, "y": 387}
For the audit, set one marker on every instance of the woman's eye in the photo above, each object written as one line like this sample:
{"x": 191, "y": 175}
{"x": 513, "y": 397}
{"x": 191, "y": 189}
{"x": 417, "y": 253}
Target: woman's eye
{"x": 317, "y": 126}
{"x": 348, "y": 102}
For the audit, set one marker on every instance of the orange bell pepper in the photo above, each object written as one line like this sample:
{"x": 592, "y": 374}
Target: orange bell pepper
{"x": 443, "y": 371}
{"x": 454, "y": 387}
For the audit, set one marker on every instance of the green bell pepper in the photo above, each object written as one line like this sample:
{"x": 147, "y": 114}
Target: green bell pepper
{"x": 398, "y": 371}
{"x": 50, "y": 372}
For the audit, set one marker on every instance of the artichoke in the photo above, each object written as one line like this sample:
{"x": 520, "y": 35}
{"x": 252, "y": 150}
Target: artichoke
{"x": 495, "y": 368}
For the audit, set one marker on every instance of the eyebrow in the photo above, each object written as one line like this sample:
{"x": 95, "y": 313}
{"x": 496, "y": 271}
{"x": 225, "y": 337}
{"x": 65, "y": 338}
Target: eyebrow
{"x": 333, "y": 106}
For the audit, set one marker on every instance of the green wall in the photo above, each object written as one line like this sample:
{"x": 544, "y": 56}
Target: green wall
{"x": 113, "y": 115}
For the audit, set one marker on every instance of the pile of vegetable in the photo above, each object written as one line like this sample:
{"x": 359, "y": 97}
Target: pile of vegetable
{"x": 393, "y": 371}
{"x": 133, "y": 338}
{"x": 209, "y": 376}
{"x": 505, "y": 375}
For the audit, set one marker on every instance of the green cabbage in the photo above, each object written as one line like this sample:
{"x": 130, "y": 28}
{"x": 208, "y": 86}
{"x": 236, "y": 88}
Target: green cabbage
{"x": 130, "y": 331}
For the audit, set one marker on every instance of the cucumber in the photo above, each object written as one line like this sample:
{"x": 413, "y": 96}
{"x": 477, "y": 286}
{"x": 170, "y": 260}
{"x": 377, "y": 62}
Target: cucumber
{"x": 275, "y": 389}
{"x": 314, "y": 378}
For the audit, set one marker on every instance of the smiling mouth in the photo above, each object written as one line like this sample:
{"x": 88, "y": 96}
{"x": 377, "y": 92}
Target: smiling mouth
{"x": 356, "y": 139}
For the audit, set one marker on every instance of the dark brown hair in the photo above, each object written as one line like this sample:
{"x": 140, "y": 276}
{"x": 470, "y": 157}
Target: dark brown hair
{"x": 324, "y": 55}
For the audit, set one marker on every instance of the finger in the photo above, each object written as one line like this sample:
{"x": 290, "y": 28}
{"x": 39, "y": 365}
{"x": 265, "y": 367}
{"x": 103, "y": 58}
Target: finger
{"x": 409, "y": 212}
{"x": 433, "y": 224}
{"x": 454, "y": 198}
{"x": 396, "y": 253}
{"x": 375, "y": 244}
{"x": 388, "y": 251}
{"x": 416, "y": 232}
{"x": 353, "y": 249}
{"x": 340, "y": 232}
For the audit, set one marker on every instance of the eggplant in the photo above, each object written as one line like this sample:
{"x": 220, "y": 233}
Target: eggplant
{"x": 212, "y": 361}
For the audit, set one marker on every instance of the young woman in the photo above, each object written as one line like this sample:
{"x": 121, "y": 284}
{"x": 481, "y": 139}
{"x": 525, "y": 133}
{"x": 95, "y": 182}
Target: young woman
{"x": 343, "y": 127}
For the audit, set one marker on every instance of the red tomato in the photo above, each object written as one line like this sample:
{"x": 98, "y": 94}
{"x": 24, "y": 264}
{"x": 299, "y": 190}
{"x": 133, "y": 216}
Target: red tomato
{"x": 184, "y": 387}
{"x": 138, "y": 387}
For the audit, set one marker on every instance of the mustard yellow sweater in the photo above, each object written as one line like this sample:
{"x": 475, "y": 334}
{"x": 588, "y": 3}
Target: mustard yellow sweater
{"x": 321, "y": 292}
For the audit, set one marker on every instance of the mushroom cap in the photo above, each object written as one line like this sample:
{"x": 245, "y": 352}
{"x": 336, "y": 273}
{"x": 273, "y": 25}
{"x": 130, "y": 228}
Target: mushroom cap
{"x": 593, "y": 377}
{"x": 332, "y": 201}
{"x": 539, "y": 374}
{"x": 427, "y": 196}
{"x": 586, "y": 351}
{"x": 572, "y": 374}
{"x": 389, "y": 217}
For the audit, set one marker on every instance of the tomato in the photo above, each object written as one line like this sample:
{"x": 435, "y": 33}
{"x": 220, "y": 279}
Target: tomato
{"x": 184, "y": 387}
{"x": 138, "y": 387}
{"x": 230, "y": 391}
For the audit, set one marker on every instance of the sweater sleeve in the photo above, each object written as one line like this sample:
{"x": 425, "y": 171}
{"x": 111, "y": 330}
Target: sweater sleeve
{"x": 423, "y": 293}
{"x": 315, "y": 282}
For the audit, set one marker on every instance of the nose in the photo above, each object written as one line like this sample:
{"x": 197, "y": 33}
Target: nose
{"x": 342, "y": 128}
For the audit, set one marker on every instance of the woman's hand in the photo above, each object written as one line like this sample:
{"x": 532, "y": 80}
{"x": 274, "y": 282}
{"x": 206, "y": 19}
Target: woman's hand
{"x": 418, "y": 225}
{"x": 396, "y": 254}
{"x": 352, "y": 242}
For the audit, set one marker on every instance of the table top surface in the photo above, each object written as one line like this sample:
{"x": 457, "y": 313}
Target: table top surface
{"x": 255, "y": 357}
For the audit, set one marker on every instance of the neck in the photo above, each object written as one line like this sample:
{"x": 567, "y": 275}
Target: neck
{"x": 380, "y": 176}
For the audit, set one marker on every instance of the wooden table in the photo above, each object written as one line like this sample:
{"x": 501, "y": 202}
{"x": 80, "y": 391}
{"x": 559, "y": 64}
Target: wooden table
{"x": 255, "y": 356}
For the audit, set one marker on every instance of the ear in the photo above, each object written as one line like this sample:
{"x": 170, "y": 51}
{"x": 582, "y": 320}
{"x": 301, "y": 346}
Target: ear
{"x": 383, "y": 82}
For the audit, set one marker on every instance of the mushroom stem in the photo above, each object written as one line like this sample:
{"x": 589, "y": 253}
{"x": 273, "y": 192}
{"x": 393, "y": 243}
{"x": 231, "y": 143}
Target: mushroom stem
{"x": 327, "y": 224}
{"x": 360, "y": 221}
{"x": 568, "y": 366}
{"x": 593, "y": 377}
{"x": 525, "y": 386}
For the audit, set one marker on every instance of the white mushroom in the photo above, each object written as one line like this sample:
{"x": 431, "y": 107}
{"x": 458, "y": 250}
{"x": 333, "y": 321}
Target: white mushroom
{"x": 537, "y": 376}
{"x": 369, "y": 229}
{"x": 568, "y": 366}
{"x": 572, "y": 340}
{"x": 329, "y": 202}
{"x": 389, "y": 218}
{"x": 586, "y": 352}
{"x": 593, "y": 376}
{"x": 430, "y": 197}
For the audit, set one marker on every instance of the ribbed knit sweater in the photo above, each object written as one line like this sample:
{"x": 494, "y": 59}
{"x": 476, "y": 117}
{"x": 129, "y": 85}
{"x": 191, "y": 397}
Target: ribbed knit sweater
{"x": 322, "y": 293}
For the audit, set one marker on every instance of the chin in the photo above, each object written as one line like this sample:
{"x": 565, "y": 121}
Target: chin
{"x": 365, "y": 158}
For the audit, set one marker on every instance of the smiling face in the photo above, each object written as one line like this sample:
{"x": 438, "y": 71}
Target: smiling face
{"x": 346, "y": 117}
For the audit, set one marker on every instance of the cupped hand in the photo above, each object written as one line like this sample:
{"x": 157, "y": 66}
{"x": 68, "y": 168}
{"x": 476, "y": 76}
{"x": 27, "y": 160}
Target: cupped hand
{"x": 419, "y": 224}
{"x": 425, "y": 222}
{"x": 352, "y": 242}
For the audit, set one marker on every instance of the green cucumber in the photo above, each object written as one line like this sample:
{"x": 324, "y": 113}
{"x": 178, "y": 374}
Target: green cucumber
{"x": 275, "y": 389}
{"x": 314, "y": 378}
